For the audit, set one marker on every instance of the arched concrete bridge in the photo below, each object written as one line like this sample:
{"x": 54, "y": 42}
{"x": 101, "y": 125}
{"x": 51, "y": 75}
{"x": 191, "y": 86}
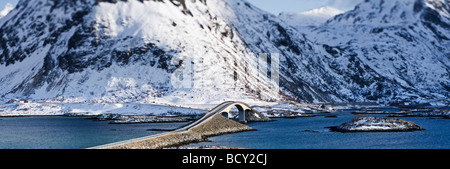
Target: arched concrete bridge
{"x": 242, "y": 108}
{"x": 222, "y": 108}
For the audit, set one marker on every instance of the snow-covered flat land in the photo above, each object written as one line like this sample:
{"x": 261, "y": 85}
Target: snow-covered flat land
{"x": 55, "y": 109}
{"x": 162, "y": 107}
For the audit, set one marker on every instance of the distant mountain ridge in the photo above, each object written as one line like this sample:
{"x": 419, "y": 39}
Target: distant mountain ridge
{"x": 313, "y": 17}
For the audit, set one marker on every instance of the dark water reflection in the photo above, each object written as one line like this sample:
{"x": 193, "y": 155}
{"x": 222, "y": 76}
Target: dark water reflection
{"x": 69, "y": 132}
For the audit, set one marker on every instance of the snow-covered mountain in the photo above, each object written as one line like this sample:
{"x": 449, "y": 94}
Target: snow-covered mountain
{"x": 313, "y": 17}
{"x": 389, "y": 50}
{"x": 6, "y": 10}
{"x": 131, "y": 51}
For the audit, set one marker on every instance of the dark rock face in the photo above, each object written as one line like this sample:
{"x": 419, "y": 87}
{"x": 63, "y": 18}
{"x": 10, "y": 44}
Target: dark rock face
{"x": 255, "y": 116}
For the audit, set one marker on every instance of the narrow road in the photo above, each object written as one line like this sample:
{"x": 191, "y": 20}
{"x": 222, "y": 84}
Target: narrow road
{"x": 218, "y": 109}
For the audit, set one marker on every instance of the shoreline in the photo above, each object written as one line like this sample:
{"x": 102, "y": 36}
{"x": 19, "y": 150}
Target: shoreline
{"x": 337, "y": 129}
{"x": 215, "y": 126}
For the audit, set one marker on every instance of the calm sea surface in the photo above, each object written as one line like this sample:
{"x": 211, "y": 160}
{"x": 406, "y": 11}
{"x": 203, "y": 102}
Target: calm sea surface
{"x": 309, "y": 133}
{"x": 298, "y": 133}
{"x": 69, "y": 132}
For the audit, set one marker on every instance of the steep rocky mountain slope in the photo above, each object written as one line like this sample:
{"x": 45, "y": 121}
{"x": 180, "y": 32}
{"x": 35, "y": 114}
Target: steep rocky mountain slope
{"x": 198, "y": 51}
{"x": 130, "y": 50}
{"x": 389, "y": 50}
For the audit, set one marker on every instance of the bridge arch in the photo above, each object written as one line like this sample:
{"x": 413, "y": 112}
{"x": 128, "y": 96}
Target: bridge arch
{"x": 242, "y": 108}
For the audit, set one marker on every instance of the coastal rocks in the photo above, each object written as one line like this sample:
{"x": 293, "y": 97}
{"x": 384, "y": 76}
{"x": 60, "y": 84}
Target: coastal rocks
{"x": 286, "y": 114}
{"x": 255, "y": 116}
{"x": 375, "y": 124}
{"x": 426, "y": 113}
{"x": 294, "y": 110}
{"x": 372, "y": 111}
{"x": 131, "y": 119}
{"x": 436, "y": 112}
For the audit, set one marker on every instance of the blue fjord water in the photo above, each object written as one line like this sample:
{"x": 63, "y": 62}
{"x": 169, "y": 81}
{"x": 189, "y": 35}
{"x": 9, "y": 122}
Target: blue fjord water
{"x": 310, "y": 133}
{"x": 298, "y": 133}
{"x": 69, "y": 132}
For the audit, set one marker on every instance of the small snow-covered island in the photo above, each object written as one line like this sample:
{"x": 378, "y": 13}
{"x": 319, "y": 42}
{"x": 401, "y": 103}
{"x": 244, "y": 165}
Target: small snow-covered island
{"x": 376, "y": 124}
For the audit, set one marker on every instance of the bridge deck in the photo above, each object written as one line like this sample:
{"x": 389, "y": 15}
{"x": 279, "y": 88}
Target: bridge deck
{"x": 223, "y": 107}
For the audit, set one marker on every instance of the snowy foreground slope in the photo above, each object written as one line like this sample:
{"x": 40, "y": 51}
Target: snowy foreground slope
{"x": 138, "y": 51}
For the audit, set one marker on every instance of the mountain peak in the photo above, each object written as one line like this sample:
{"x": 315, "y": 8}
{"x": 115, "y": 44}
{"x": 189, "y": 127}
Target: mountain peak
{"x": 313, "y": 17}
{"x": 324, "y": 11}
{"x": 8, "y": 7}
